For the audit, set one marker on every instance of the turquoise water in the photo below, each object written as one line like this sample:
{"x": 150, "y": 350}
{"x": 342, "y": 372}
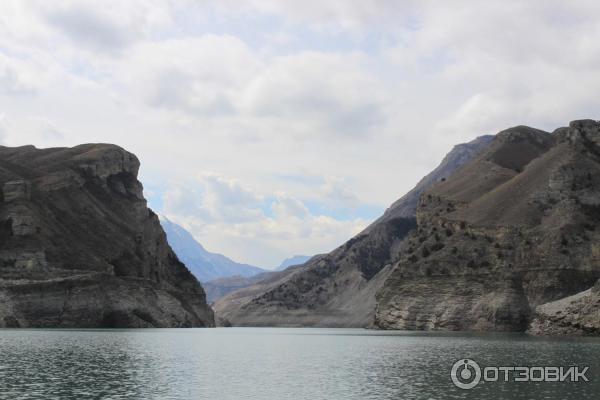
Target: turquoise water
{"x": 278, "y": 364}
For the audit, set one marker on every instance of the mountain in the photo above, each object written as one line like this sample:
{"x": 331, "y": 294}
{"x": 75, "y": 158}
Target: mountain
{"x": 294, "y": 260}
{"x": 220, "y": 287}
{"x": 500, "y": 242}
{"x": 576, "y": 315}
{"x": 338, "y": 289}
{"x": 406, "y": 206}
{"x": 205, "y": 266}
{"x": 79, "y": 247}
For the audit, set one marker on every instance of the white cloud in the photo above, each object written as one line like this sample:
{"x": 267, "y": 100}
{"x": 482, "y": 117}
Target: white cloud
{"x": 18, "y": 78}
{"x": 267, "y": 241}
{"x": 333, "y": 15}
{"x": 319, "y": 93}
{"x": 286, "y": 207}
{"x": 3, "y": 128}
{"x": 35, "y": 129}
{"x": 12, "y": 84}
{"x": 199, "y": 76}
{"x": 229, "y": 218}
{"x": 228, "y": 200}
{"x": 336, "y": 190}
{"x": 110, "y": 28}
{"x": 212, "y": 198}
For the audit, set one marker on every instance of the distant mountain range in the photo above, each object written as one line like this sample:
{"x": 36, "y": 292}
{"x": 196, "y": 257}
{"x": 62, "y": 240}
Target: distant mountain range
{"x": 294, "y": 260}
{"x": 206, "y": 266}
{"x": 221, "y": 287}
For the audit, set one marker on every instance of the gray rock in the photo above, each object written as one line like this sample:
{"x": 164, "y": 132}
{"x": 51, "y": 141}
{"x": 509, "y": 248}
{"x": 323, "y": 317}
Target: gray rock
{"x": 80, "y": 248}
{"x": 16, "y": 190}
{"x": 577, "y": 315}
{"x": 512, "y": 230}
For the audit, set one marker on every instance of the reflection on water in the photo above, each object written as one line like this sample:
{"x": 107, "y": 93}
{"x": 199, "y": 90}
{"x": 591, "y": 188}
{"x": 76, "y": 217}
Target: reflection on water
{"x": 278, "y": 364}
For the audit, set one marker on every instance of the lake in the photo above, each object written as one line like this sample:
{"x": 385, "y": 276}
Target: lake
{"x": 279, "y": 364}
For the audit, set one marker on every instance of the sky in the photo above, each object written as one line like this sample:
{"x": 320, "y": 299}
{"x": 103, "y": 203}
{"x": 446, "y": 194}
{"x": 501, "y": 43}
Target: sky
{"x": 277, "y": 127}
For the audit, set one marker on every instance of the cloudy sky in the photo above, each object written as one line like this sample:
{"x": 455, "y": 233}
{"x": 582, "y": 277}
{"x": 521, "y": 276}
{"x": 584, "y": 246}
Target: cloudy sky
{"x": 278, "y": 127}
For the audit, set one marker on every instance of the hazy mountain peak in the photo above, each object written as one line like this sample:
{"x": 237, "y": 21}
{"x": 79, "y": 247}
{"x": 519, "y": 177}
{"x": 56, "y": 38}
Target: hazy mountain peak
{"x": 294, "y": 260}
{"x": 202, "y": 263}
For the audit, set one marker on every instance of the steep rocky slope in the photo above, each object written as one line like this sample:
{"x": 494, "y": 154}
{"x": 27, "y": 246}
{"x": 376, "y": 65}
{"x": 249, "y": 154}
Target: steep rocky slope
{"x": 338, "y": 289}
{"x": 515, "y": 228}
{"x": 205, "y": 266}
{"x": 80, "y": 248}
{"x": 577, "y": 315}
{"x": 406, "y": 206}
{"x": 221, "y": 287}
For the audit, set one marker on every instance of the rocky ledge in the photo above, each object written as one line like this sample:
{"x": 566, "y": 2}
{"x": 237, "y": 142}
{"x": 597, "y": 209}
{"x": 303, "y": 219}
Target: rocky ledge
{"x": 577, "y": 315}
{"x": 80, "y": 248}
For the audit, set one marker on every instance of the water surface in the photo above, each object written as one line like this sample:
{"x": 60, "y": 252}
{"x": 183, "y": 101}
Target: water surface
{"x": 278, "y": 364}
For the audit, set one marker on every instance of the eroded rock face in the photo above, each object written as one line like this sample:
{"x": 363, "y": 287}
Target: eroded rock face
{"x": 514, "y": 229}
{"x": 16, "y": 190}
{"x": 577, "y": 315}
{"x": 80, "y": 248}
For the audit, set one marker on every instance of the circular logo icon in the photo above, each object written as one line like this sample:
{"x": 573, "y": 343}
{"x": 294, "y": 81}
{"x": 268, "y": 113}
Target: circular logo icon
{"x": 465, "y": 374}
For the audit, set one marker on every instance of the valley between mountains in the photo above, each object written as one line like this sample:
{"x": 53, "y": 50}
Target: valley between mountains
{"x": 504, "y": 235}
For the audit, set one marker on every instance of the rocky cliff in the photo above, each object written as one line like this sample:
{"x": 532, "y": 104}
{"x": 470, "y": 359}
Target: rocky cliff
{"x": 576, "y": 315}
{"x": 513, "y": 229}
{"x": 80, "y": 248}
{"x": 338, "y": 289}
